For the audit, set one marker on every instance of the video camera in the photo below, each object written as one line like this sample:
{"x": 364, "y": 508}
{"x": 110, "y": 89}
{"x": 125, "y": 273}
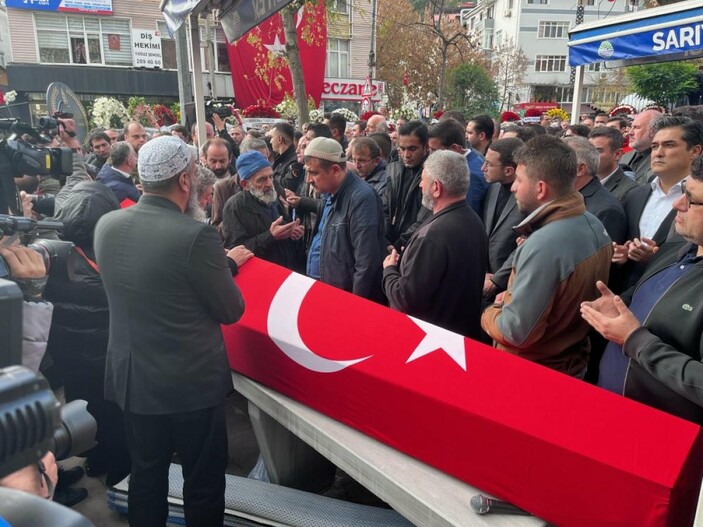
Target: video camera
{"x": 58, "y": 256}
{"x": 217, "y": 107}
{"x": 19, "y": 157}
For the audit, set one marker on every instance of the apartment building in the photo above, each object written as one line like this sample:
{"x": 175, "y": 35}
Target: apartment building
{"x": 349, "y": 42}
{"x": 540, "y": 28}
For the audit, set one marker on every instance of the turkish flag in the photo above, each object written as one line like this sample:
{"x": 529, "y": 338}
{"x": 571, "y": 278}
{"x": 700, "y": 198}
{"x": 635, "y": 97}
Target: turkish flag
{"x": 566, "y": 451}
{"x": 260, "y": 72}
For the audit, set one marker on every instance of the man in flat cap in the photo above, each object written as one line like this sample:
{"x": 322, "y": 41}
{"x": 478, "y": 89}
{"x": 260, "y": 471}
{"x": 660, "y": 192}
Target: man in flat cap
{"x": 347, "y": 246}
{"x": 169, "y": 285}
{"x": 256, "y": 218}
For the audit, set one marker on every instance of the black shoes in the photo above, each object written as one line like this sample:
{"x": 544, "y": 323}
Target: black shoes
{"x": 68, "y": 477}
{"x": 68, "y": 497}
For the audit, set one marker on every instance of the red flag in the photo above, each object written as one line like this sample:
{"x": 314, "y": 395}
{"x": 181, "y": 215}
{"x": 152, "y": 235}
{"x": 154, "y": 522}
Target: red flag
{"x": 260, "y": 72}
{"x": 564, "y": 450}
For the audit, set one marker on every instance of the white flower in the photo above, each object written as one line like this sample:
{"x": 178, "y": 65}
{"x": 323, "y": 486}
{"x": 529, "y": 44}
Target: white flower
{"x": 10, "y": 96}
{"x": 105, "y": 108}
{"x": 316, "y": 116}
{"x": 347, "y": 114}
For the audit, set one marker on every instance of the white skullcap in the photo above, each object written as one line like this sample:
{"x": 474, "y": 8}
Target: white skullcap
{"x": 162, "y": 158}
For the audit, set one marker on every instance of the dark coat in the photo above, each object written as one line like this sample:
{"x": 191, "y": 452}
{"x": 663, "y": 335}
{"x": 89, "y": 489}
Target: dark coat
{"x": 170, "y": 288}
{"x": 352, "y": 248}
{"x": 619, "y": 184}
{"x": 404, "y": 212}
{"x": 604, "y": 206}
{"x": 665, "y": 370}
{"x": 282, "y": 171}
{"x": 478, "y": 185}
{"x": 246, "y": 221}
{"x": 641, "y": 164}
{"x": 124, "y": 188}
{"x": 79, "y": 327}
{"x": 627, "y": 275}
{"x": 441, "y": 272}
{"x": 502, "y": 239}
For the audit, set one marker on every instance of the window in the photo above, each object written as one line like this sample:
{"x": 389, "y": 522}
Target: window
{"x": 544, "y": 2}
{"x": 553, "y": 30}
{"x": 341, "y": 7}
{"x": 221, "y": 57}
{"x": 337, "y": 58}
{"x": 83, "y": 40}
{"x": 168, "y": 48}
{"x": 590, "y": 2}
{"x": 594, "y": 66}
{"x": 550, "y": 63}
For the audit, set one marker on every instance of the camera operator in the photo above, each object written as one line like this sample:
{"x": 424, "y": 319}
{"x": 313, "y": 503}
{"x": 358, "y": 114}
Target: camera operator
{"x": 39, "y": 479}
{"x": 27, "y": 270}
{"x": 80, "y": 172}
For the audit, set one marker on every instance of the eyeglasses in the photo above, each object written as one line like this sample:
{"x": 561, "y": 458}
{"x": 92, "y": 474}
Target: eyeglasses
{"x": 687, "y": 196}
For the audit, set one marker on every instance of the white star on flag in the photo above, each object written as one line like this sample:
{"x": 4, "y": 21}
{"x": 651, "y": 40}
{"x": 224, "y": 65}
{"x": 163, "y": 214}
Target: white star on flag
{"x": 439, "y": 338}
{"x": 276, "y": 48}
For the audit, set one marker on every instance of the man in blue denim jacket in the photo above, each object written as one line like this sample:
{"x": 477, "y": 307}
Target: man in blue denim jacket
{"x": 347, "y": 246}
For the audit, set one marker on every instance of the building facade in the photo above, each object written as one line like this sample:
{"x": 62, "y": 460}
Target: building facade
{"x": 94, "y": 53}
{"x": 349, "y": 42}
{"x": 540, "y": 28}
{"x": 97, "y": 54}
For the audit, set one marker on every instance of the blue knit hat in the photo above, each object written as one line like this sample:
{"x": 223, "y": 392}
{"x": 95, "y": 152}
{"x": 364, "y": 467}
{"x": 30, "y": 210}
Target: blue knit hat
{"x": 249, "y": 163}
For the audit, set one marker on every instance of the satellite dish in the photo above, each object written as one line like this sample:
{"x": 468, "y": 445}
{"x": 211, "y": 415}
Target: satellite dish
{"x": 62, "y": 99}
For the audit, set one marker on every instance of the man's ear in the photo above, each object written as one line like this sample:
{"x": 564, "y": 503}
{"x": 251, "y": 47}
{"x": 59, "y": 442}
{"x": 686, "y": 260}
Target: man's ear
{"x": 184, "y": 182}
{"x": 243, "y": 183}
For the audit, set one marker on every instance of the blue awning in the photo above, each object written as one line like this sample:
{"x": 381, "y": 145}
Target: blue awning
{"x": 665, "y": 33}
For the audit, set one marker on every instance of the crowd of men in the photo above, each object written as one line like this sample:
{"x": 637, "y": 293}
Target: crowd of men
{"x": 549, "y": 242}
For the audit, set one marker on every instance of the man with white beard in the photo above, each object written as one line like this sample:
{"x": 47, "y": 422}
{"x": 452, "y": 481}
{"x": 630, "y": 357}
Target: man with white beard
{"x": 257, "y": 219}
{"x": 169, "y": 286}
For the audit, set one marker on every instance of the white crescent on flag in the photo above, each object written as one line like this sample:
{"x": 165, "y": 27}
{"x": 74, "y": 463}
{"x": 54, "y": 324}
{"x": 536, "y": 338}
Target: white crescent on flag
{"x": 282, "y": 325}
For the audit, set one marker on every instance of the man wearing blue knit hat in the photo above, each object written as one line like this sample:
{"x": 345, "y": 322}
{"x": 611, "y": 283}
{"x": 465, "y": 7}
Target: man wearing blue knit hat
{"x": 258, "y": 219}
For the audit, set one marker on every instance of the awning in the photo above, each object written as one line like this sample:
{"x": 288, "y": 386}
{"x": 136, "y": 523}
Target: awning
{"x": 673, "y": 32}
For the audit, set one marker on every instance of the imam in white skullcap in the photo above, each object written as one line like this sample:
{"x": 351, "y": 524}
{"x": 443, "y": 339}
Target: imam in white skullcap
{"x": 162, "y": 158}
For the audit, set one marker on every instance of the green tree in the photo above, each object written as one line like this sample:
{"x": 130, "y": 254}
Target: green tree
{"x": 664, "y": 83}
{"x": 472, "y": 90}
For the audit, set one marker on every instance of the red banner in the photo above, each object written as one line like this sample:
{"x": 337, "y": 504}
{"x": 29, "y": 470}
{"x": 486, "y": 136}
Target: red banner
{"x": 260, "y": 72}
{"x": 568, "y": 452}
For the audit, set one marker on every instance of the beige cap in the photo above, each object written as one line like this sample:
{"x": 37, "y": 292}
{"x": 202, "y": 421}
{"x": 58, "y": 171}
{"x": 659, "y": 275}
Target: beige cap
{"x": 327, "y": 149}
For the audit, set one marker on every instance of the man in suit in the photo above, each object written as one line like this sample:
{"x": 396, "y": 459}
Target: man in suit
{"x": 608, "y": 142}
{"x": 116, "y": 173}
{"x": 599, "y": 202}
{"x": 440, "y": 275}
{"x": 169, "y": 285}
{"x": 676, "y": 143}
{"x": 640, "y": 135}
{"x": 500, "y": 213}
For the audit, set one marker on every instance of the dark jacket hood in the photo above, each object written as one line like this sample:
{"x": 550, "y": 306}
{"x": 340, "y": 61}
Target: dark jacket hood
{"x": 85, "y": 205}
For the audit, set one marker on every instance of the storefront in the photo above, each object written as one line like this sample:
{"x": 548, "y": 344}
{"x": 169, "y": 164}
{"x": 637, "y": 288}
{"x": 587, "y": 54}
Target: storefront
{"x": 348, "y": 93}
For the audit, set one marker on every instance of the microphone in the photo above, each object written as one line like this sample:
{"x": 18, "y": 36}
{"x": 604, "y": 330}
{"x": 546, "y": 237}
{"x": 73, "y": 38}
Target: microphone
{"x": 481, "y": 504}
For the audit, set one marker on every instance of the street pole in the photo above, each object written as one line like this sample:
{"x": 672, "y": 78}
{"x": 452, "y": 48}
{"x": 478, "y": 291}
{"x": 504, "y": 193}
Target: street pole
{"x": 185, "y": 84}
{"x": 197, "y": 78}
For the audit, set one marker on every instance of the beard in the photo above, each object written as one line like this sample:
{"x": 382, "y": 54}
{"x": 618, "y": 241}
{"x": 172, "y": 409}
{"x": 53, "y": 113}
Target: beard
{"x": 220, "y": 172}
{"x": 265, "y": 196}
{"x": 427, "y": 201}
{"x": 193, "y": 208}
